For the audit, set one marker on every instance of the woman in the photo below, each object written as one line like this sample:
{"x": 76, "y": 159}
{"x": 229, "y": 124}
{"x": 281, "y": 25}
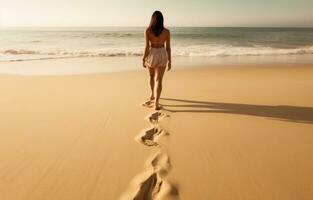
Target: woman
{"x": 157, "y": 55}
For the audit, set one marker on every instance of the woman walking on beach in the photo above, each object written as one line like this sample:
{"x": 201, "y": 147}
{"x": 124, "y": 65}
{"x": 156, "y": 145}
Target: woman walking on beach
{"x": 157, "y": 55}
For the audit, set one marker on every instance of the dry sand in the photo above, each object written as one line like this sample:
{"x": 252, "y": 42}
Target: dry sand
{"x": 226, "y": 133}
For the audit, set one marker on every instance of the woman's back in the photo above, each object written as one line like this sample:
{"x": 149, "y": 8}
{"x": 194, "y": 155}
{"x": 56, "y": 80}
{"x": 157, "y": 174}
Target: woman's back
{"x": 157, "y": 41}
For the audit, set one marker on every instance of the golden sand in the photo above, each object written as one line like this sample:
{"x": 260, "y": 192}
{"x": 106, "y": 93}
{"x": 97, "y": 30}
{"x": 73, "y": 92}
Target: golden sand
{"x": 226, "y": 133}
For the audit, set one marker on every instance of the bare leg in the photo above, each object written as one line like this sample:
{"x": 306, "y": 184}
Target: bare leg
{"x": 159, "y": 72}
{"x": 151, "y": 81}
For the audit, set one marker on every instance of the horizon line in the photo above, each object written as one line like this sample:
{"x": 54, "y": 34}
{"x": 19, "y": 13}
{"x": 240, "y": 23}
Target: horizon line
{"x": 118, "y": 26}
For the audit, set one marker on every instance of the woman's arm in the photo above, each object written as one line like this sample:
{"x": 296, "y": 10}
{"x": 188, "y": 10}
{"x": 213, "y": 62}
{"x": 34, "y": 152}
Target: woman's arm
{"x": 147, "y": 47}
{"x": 168, "y": 49}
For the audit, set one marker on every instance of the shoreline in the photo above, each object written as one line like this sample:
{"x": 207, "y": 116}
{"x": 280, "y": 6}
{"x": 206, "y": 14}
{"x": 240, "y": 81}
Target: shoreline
{"x": 98, "y": 65}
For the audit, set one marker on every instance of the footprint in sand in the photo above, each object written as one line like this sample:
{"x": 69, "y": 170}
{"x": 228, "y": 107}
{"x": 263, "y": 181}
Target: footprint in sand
{"x": 151, "y": 184}
{"x": 148, "y": 104}
{"x": 154, "y": 188}
{"x": 155, "y": 117}
{"x": 161, "y": 164}
{"x": 149, "y": 188}
{"x": 149, "y": 137}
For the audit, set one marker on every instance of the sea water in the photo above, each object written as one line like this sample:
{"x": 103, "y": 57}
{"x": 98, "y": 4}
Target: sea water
{"x": 18, "y": 44}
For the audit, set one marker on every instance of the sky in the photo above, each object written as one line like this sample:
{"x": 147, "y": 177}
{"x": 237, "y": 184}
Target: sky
{"x": 211, "y": 13}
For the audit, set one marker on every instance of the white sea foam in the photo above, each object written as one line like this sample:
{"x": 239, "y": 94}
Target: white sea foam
{"x": 186, "y": 51}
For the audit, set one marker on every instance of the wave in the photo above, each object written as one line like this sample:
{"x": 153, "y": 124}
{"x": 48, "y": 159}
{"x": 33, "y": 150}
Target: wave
{"x": 184, "y": 51}
{"x": 224, "y": 50}
{"x": 19, "y": 52}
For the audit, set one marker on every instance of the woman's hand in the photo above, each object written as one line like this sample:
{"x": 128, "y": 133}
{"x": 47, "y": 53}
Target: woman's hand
{"x": 169, "y": 66}
{"x": 143, "y": 63}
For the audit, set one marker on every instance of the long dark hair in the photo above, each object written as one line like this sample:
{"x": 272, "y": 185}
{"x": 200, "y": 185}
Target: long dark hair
{"x": 156, "y": 23}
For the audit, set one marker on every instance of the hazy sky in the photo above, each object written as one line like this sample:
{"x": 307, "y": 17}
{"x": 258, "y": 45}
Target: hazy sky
{"x": 138, "y": 12}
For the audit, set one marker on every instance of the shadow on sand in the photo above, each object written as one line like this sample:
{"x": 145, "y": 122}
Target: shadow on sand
{"x": 280, "y": 112}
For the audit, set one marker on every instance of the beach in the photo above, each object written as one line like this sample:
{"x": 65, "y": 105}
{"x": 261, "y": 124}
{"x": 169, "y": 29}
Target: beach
{"x": 225, "y": 131}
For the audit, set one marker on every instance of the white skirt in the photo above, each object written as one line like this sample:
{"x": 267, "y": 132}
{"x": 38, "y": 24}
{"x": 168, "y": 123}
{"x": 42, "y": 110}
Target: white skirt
{"x": 157, "y": 57}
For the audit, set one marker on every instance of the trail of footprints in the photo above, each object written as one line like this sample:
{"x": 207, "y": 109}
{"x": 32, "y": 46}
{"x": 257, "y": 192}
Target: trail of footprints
{"x": 151, "y": 184}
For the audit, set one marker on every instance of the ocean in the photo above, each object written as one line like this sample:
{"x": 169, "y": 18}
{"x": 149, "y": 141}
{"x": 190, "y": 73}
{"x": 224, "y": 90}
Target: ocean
{"x": 18, "y": 44}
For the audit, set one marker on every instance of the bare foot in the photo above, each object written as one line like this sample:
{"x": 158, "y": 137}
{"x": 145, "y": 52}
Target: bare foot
{"x": 157, "y": 106}
{"x": 151, "y": 98}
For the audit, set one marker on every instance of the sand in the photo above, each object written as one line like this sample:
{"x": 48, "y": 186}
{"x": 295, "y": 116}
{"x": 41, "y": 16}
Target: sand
{"x": 225, "y": 132}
